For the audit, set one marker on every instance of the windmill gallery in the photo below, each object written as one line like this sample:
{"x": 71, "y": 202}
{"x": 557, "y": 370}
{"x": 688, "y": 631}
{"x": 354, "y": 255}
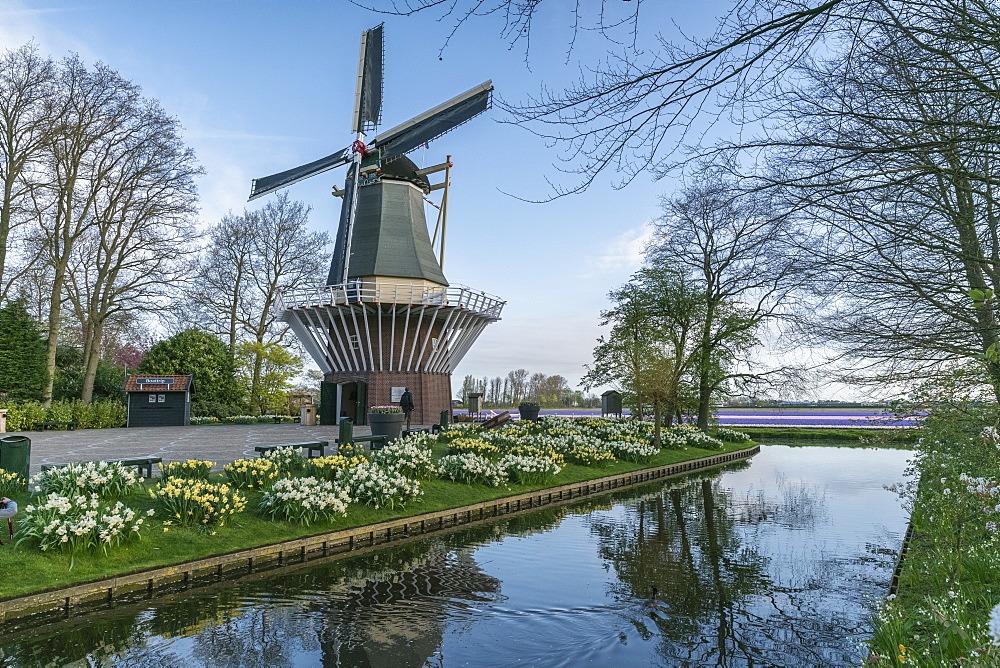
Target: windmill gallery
{"x": 387, "y": 317}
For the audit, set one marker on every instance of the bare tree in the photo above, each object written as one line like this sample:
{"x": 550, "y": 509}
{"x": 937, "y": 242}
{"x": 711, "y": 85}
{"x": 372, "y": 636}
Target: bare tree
{"x": 638, "y": 108}
{"x": 738, "y": 252}
{"x": 93, "y": 114}
{"x": 251, "y": 260}
{"x": 222, "y": 285}
{"x": 26, "y": 90}
{"x": 130, "y": 259}
{"x": 517, "y": 381}
{"x": 890, "y": 167}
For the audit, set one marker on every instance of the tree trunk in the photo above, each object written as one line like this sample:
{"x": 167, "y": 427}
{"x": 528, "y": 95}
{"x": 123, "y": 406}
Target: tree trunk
{"x": 657, "y": 422}
{"x": 255, "y": 396}
{"x": 91, "y": 359}
{"x": 705, "y": 368}
{"x": 671, "y": 408}
{"x": 55, "y": 308}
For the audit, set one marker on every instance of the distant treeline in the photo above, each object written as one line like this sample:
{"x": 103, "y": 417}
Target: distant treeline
{"x": 519, "y": 385}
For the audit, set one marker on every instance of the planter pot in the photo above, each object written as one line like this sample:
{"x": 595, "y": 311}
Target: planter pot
{"x": 389, "y": 425}
{"x": 528, "y": 412}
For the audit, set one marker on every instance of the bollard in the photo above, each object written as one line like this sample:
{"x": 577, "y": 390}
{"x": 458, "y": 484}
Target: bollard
{"x": 346, "y": 431}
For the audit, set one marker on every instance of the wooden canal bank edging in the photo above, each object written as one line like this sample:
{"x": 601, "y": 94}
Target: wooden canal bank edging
{"x": 346, "y": 542}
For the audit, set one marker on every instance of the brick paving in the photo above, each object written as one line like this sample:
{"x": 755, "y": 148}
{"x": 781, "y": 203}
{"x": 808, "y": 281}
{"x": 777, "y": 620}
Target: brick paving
{"x": 219, "y": 444}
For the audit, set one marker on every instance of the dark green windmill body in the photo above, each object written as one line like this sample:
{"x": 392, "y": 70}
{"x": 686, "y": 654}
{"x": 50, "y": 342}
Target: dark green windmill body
{"x": 387, "y": 317}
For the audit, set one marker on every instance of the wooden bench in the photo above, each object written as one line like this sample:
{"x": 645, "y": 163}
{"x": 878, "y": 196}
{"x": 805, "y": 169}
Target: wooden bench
{"x": 143, "y": 464}
{"x": 42, "y": 426}
{"x": 497, "y": 420}
{"x": 371, "y": 440}
{"x": 310, "y": 447}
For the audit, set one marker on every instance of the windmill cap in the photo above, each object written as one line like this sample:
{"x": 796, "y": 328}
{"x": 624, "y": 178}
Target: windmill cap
{"x": 401, "y": 168}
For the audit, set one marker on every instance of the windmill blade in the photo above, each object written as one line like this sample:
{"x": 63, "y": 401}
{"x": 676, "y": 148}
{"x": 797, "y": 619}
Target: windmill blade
{"x": 368, "y": 97}
{"x": 345, "y": 230}
{"x": 269, "y": 184}
{"x": 435, "y": 122}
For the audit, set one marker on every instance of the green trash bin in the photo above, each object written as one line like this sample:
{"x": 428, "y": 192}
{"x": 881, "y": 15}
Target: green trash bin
{"x": 15, "y": 455}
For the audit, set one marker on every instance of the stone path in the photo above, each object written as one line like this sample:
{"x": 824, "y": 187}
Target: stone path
{"x": 219, "y": 444}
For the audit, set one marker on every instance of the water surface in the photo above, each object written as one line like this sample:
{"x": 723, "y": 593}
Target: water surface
{"x": 774, "y": 562}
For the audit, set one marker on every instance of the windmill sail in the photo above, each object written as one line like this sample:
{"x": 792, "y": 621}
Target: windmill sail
{"x": 342, "y": 244}
{"x": 269, "y": 184}
{"x": 368, "y": 98}
{"x": 434, "y": 123}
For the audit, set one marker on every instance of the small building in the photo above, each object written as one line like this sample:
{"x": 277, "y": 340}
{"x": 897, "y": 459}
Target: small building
{"x": 611, "y": 403}
{"x": 158, "y": 400}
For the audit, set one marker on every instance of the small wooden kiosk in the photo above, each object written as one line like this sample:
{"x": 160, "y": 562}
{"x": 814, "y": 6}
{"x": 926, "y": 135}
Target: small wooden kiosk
{"x": 159, "y": 401}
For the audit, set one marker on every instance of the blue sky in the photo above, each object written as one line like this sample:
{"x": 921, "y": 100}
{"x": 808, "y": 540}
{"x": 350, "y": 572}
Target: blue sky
{"x": 264, "y": 86}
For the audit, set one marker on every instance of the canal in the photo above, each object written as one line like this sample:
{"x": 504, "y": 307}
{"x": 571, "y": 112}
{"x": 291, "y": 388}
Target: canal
{"x": 774, "y": 562}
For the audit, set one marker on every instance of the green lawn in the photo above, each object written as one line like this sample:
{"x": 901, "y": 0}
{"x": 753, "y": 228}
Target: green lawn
{"x": 30, "y": 570}
{"x": 857, "y": 437}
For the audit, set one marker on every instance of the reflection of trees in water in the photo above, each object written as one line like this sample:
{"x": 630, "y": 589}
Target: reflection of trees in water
{"x": 385, "y": 608}
{"x": 718, "y": 603}
{"x": 792, "y": 504}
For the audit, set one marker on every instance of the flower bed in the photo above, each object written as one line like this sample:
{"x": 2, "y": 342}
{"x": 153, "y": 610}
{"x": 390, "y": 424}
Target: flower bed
{"x": 192, "y": 469}
{"x": 77, "y": 523}
{"x": 304, "y": 500}
{"x": 189, "y": 501}
{"x": 947, "y": 608}
{"x": 203, "y": 420}
{"x": 11, "y": 483}
{"x": 471, "y": 469}
{"x": 283, "y": 494}
{"x": 326, "y": 468}
{"x": 412, "y": 456}
{"x": 101, "y": 478}
{"x": 378, "y": 486}
{"x": 526, "y": 470}
{"x": 252, "y": 473}
{"x": 287, "y": 459}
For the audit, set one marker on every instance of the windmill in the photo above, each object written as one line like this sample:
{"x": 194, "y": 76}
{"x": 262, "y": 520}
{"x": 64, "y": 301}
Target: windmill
{"x": 387, "y": 318}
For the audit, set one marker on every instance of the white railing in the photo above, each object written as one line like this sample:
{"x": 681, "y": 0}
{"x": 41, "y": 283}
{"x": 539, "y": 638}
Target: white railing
{"x": 355, "y": 292}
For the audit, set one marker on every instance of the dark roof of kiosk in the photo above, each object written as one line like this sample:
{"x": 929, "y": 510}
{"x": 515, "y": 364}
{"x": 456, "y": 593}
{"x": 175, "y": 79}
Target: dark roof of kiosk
{"x": 177, "y": 384}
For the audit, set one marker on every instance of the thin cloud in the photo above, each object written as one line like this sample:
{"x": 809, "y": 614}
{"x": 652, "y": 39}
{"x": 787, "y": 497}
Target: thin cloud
{"x": 623, "y": 254}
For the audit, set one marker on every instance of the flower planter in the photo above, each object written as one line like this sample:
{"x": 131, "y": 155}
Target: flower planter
{"x": 528, "y": 412}
{"x": 389, "y": 425}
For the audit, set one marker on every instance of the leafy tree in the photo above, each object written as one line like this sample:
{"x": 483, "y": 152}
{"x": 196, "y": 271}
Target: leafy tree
{"x": 265, "y": 371}
{"x": 22, "y": 354}
{"x": 651, "y": 350}
{"x": 194, "y": 351}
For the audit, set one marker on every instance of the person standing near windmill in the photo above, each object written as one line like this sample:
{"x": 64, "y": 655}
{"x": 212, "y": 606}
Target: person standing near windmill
{"x": 406, "y": 403}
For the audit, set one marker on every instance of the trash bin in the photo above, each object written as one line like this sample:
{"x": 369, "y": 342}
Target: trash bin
{"x": 15, "y": 455}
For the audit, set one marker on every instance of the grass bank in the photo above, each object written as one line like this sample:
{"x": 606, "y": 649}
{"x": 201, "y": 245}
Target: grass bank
{"x": 165, "y": 545}
{"x": 946, "y": 608}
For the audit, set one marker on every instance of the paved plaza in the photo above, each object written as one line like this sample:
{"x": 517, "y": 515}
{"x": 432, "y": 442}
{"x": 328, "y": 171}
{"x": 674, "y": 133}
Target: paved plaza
{"x": 219, "y": 444}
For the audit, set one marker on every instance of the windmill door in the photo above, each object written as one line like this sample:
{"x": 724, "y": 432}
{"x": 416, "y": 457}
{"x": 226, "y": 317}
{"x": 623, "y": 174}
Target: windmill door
{"x": 361, "y": 415}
